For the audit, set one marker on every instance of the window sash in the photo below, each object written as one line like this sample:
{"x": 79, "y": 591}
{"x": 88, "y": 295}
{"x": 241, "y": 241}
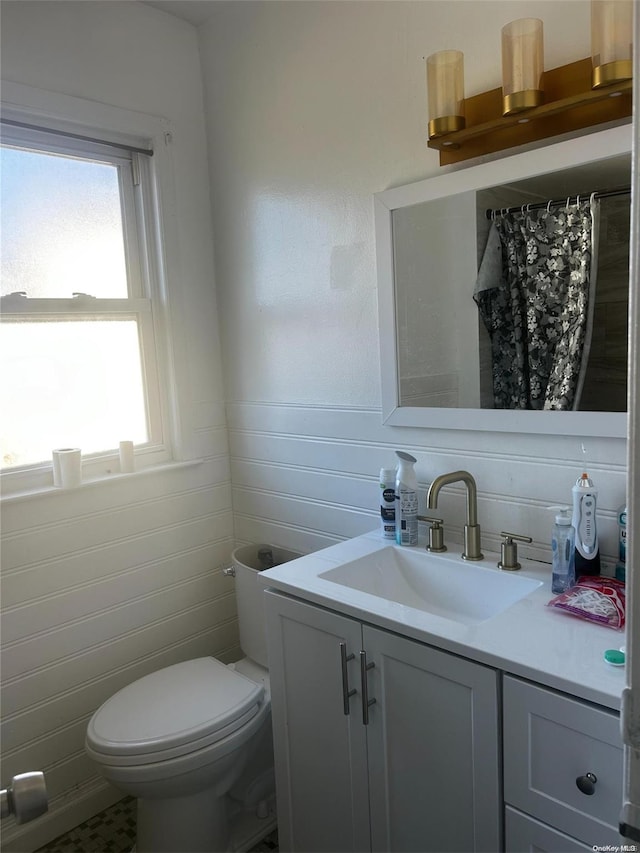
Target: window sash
{"x": 129, "y": 168}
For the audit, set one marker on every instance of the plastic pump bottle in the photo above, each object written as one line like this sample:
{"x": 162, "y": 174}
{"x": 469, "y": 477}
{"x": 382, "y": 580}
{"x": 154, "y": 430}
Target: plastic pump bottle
{"x": 563, "y": 549}
{"x": 587, "y": 552}
{"x": 407, "y": 498}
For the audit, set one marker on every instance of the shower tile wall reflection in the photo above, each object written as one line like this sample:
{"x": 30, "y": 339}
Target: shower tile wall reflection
{"x": 605, "y": 387}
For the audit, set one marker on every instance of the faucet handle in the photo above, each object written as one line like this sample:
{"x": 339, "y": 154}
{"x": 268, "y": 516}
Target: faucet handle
{"x": 436, "y": 534}
{"x": 509, "y": 551}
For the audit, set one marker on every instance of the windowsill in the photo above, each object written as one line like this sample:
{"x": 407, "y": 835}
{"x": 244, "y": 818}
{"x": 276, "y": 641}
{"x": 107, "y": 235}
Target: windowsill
{"x": 49, "y": 491}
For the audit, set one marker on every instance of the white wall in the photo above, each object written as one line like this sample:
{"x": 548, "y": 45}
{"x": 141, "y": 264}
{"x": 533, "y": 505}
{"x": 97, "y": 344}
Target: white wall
{"x": 107, "y": 583}
{"x": 311, "y": 108}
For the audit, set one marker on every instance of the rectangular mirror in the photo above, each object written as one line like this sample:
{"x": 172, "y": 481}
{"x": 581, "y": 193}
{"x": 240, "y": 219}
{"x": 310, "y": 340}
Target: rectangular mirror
{"x": 449, "y": 345}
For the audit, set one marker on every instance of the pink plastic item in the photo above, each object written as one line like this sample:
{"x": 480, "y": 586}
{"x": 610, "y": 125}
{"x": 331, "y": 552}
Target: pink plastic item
{"x": 597, "y": 599}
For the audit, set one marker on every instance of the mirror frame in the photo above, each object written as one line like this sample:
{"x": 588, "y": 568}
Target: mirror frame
{"x": 600, "y": 145}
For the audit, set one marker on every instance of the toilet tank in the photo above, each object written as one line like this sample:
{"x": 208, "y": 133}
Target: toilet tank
{"x": 248, "y": 561}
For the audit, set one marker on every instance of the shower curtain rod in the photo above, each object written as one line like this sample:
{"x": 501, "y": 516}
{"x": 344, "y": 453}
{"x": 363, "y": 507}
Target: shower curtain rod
{"x": 556, "y": 201}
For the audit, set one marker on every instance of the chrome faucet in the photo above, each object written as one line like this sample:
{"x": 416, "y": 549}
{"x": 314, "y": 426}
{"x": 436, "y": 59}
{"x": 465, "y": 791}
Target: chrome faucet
{"x": 472, "y": 543}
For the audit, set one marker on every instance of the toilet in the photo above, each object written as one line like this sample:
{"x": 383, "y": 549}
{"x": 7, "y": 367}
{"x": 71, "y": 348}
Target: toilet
{"x": 192, "y": 742}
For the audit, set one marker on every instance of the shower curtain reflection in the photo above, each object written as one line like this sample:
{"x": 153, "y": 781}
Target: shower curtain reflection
{"x": 535, "y": 294}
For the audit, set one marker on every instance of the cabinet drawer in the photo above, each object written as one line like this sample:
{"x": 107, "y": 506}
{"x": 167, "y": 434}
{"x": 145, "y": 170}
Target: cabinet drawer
{"x": 549, "y": 741}
{"x": 524, "y": 834}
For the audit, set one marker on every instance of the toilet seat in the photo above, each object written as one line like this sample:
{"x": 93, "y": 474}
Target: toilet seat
{"x": 173, "y": 712}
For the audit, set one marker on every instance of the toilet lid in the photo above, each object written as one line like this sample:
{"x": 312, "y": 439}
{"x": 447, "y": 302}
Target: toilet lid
{"x": 174, "y": 710}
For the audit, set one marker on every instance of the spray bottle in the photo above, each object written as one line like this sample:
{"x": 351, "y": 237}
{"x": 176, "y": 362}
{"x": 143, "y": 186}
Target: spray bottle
{"x": 407, "y": 498}
{"x": 587, "y": 552}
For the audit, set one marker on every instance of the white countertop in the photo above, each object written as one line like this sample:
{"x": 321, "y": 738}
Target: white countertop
{"x": 527, "y": 639}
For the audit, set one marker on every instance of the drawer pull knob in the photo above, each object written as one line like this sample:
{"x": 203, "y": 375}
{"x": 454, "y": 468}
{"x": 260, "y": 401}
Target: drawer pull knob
{"x": 587, "y": 783}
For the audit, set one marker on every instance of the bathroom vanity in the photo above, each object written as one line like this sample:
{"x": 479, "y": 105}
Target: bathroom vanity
{"x": 425, "y": 703}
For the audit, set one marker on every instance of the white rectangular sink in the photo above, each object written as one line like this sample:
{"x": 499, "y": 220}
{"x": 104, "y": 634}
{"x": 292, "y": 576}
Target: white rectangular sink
{"x": 444, "y": 586}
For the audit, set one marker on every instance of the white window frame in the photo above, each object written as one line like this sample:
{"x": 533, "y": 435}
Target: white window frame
{"x": 146, "y": 194}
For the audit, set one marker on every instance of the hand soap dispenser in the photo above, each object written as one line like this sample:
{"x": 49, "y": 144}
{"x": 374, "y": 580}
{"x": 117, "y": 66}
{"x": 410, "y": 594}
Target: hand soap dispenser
{"x": 563, "y": 551}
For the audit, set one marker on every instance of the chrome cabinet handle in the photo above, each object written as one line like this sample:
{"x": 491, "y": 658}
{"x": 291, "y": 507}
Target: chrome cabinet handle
{"x": 346, "y": 693}
{"x": 587, "y": 783}
{"x": 366, "y": 702}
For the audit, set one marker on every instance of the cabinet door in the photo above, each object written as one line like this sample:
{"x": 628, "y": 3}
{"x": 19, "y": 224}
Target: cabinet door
{"x": 433, "y": 749}
{"x": 320, "y": 752}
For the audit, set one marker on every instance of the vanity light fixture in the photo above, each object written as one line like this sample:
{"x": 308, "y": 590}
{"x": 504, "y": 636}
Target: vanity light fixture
{"x": 611, "y": 41}
{"x": 445, "y": 88}
{"x": 533, "y": 104}
{"x": 522, "y": 65}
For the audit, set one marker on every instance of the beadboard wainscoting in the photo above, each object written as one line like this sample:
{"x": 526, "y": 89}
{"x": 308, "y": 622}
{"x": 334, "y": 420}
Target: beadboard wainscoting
{"x": 306, "y": 477}
{"x": 101, "y": 585}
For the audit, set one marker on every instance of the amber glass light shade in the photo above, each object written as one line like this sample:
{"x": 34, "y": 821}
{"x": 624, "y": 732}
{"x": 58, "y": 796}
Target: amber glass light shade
{"x": 611, "y": 41}
{"x": 522, "y": 65}
{"x": 445, "y": 90}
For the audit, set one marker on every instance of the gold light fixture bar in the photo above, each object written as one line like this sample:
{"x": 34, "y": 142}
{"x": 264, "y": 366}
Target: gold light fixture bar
{"x": 570, "y": 104}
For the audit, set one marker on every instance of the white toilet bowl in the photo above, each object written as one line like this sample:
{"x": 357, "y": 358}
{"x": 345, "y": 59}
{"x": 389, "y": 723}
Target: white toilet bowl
{"x": 177, "y": 740}
{"x": 192, "y": 742}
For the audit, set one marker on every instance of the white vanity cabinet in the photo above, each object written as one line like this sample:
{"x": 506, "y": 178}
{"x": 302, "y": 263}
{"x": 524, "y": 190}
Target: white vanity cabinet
{"x": 562, "y": 771}
{"x": 320, "y": 753}
{"x": 381, "y": 743}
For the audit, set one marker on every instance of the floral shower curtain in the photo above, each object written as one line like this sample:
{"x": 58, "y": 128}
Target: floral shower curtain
{"x": 535, "y": 295}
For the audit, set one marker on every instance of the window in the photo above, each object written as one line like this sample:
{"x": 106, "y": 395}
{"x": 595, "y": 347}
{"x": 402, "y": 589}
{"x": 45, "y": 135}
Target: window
{"x": 79, "y": 330}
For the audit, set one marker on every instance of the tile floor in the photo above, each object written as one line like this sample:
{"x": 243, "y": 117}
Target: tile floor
{"x": 114, "y": 831}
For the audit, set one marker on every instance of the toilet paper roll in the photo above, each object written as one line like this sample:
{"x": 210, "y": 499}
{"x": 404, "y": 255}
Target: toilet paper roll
{"x": 57, "y": 478}
{"x": 126, "y": 457}
{"x": 67, "y": 467}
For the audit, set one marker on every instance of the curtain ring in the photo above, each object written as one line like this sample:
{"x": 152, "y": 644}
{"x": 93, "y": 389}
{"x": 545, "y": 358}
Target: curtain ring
{"x": 549, "y": 206}
{"x": 528, "y": 207}
{"x": 593, "y": 197}
{"x": 568, "y": 200}
{"x": 578, "y": 200}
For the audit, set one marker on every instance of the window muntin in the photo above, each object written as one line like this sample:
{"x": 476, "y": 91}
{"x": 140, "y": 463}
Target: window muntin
{"x": 96, "y": 348}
